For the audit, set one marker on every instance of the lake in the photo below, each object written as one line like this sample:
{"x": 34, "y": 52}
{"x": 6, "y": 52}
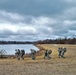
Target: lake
{"x": 10, "y": 48}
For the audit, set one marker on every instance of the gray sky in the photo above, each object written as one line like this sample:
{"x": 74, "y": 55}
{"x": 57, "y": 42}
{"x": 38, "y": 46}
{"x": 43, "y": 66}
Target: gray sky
{"x": 31, "y": 20}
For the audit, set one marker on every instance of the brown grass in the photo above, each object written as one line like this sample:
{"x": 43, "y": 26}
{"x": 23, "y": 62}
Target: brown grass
{"x": 40, "y": 66}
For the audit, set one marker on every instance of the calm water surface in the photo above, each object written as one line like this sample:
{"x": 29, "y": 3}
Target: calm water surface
{"x": 10, "y": 49}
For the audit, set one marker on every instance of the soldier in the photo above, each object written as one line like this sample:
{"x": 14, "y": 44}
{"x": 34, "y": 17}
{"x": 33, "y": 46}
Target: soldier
{"x": 61, "y": 52}
{"x": 33, "y": 52}
{"x": 47, "y": 54}
{"x": 17, "y": 54}
{"x": 22, "y": 54}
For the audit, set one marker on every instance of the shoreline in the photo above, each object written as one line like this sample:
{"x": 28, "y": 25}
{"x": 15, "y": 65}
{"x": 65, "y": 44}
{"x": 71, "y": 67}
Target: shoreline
{"x": 40, "y": 51}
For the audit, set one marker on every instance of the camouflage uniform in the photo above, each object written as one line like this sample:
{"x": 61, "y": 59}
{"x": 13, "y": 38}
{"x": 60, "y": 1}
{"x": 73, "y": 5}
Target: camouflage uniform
{"x": 22, "y": 54}
{"x": 47, "y": 54}
{"x": 33, "y": 52}
{"x": 61, "y": 52}
{"x": 17, "y": 54}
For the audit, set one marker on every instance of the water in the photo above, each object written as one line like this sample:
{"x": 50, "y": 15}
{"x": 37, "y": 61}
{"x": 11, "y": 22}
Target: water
{"x": 10, "y": 49}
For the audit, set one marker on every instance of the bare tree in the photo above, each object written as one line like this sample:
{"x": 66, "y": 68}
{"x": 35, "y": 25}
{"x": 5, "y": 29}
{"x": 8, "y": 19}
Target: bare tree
{"x": 2, "y": 53}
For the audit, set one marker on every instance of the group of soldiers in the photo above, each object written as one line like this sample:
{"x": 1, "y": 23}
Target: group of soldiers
{"x": 20, "y": 53}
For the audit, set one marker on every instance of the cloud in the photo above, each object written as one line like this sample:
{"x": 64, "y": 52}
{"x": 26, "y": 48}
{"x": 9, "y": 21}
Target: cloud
{"x": 38, "y": 28}
{"x": 70, "y": 0}
{"x": 70, "y": 13}
{"x": 36, "y": 19}
{"x": 10, "y": 16}
{"x": 35, "y": 29}
{"x": 34, "y": 7}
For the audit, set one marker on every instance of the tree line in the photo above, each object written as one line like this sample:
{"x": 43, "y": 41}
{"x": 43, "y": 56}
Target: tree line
{"x": 15, "y": 42}
{"x": 46, "y": 41}
{"x": 57, "y": 41}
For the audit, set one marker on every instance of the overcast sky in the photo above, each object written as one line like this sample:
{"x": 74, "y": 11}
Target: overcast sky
{"x": 31, "y": 20}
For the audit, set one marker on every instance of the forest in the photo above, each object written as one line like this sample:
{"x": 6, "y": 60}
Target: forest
{"x": 46, "y": 41}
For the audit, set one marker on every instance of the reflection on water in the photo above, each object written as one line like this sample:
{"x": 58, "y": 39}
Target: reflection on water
{"x": 10, "y": 49}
